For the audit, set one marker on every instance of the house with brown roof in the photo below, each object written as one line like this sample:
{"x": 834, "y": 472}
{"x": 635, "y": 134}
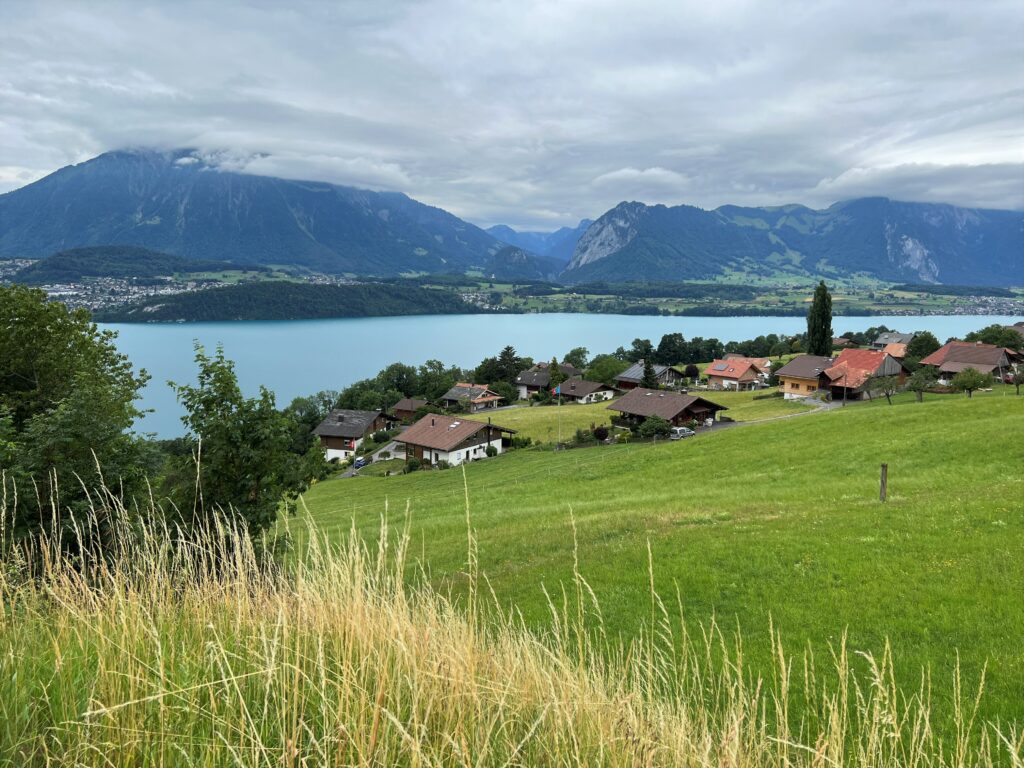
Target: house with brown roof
{"x": 895, "y": 349}
{"x": 343, "y": 431}
{"x": 841, "y": 342}
{"x": 955, "y": 356}
{"x": 735, "y": 373}
{"x": 891, "y": 337}
{"x": 640, "y": 404}
{"x": 850, "y": 375}
{"x": 533, "y": 380}
{"x": 581, "y": 391}
{"x": 406, "y": 408}
{"x": 801, "y": 376}
{"x": 632, "y": 376}
{"x": 472, "y": 397}
{"x": 436, "y": 438}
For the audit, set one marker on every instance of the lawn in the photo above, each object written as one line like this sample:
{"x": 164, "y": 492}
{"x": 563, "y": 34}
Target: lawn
{"x": 777, "y": 522}
{"x": 541, "y": 423}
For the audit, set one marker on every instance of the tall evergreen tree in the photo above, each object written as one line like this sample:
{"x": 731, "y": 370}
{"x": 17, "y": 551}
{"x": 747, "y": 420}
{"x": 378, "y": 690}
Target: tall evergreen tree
{"x": 557, "y": 375}
{"x": 650, "y": 378}
{"x": 819, "y": 323}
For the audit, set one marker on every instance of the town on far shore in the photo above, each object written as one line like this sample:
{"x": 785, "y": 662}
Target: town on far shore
{"x": 644, "y": 400}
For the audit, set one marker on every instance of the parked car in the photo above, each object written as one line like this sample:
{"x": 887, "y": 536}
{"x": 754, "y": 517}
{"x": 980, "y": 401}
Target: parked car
{"x": 359, "y": 463}
{"x": 678, "y": 433}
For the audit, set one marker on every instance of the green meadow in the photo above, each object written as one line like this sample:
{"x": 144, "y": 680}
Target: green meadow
{"x": 771, "y": 525}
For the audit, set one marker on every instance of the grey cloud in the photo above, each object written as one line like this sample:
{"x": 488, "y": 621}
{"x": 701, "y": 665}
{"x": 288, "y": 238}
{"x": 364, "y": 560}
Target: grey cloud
{"x": 534, "y": 113}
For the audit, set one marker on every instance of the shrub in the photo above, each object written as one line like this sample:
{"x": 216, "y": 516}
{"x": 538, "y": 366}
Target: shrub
{"x": 383, "y": 436}
{"x": 601, "y": 433}
{"x": 491, "y": 451}
{"x": 654, "y": 426}
{"x": 443, "y": 465}
{"x": 520, "y": 441}
{"x": 413, "y": 464}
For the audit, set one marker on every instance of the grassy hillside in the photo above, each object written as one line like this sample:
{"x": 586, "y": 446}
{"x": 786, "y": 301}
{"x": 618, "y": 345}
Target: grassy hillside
{"x": 777, "y": 522}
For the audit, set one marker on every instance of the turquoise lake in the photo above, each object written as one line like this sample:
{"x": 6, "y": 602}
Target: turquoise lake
{"x": 304, "y": 356}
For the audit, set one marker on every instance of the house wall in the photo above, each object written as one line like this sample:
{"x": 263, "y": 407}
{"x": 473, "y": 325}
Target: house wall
{"x": 600, "y": 396}
{"x": 794, "y": 387}
{"x": 744, "y": 382}
{"x": 339, "y": 447}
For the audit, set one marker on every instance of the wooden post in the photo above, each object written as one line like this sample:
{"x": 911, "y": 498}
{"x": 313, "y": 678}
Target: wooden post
{"x": 883, "y": 488}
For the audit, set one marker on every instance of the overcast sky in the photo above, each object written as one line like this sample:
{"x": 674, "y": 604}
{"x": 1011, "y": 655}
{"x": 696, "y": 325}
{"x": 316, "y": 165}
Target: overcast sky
{"x": 536, "y": 114}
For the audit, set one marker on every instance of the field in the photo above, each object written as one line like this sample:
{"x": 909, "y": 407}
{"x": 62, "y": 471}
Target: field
{"x": 774, "y": 524}
{"x": 541, "y": 423}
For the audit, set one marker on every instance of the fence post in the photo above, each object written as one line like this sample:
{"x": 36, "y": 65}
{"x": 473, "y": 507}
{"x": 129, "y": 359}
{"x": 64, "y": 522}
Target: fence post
{"x": 884, "y": 485}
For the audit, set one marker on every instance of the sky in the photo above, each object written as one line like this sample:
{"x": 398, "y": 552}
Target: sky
{"x": 535, "y": 114}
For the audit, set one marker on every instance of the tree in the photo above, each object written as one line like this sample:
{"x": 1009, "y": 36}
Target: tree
{"x": 819, "y": 323}
{"x": 600, "y": 433}
{"x": 650, "y": 378}
{"x": 436, "y": 379}
{"x": 887, "y": 385}
{"x": 641, "y": 349}
{"x": 970, "y": 379}
{"x": 67, "y": 406}
{"x": 1018, "y": 377}
{"x": 577, "y": 357}
{"x": 922, "y": 345}
{"x": 240, "y": 452}
{"x": 399, "y": 378}
{"x": 779, "y": 349}
{"x": 654, "y": 426}
{"x": 672, "y": 349}
{"x": 692, "y": 372}
{"x": 999, "y": 335}
{"x": 307, "y": 412}
{"x": 510, "y": 364}
{"x": 605, "y": 368}
{"x": 557, "y": 374}
{"x": 507, "y": 392}
{"x": 921, "y": 381}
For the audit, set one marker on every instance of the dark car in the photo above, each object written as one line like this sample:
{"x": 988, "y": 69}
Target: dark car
{"x": 360, "y": 463}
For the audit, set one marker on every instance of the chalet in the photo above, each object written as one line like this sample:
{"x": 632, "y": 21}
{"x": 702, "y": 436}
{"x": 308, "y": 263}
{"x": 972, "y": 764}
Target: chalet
{"x": 580, "y": 391}
{"x": 849, "y": 377}
{"x": 801, "y": 376}
{"x": 841, "y": 342}
{"x": 891, "y": 337}
{"x": 473, "y": 397}
{"x": 405, "y": 409}
{"x": 436, "y": 438}
{"x": 763, "y": 365}
{"x": 343, "y": 431}
{"x": 954, "y": 356}
{"x": 533, "y": 380}
{"x": 640, "y": 404}
{"x": 632, "y": 376}
{"x": 735, "y": 373}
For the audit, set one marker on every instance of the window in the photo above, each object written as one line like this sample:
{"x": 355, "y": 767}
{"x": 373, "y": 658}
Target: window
{"x": 794, "y": 385}
{"x": 810, "y": 387}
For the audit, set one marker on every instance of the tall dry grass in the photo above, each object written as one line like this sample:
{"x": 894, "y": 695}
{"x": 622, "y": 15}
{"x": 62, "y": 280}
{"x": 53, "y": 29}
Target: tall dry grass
{"x": 198, "y": 653}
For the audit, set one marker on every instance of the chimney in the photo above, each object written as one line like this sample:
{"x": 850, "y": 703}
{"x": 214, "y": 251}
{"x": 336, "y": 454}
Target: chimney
{"x": 431, "y": 421}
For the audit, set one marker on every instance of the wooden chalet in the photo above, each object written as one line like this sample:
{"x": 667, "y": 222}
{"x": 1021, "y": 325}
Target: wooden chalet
{"x": 678, "y": 409}
{"x": 436, "y": 438}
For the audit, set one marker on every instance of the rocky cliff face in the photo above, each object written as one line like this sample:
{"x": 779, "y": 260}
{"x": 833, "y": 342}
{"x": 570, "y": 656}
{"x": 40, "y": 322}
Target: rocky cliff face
{"x": 609, "y": 234}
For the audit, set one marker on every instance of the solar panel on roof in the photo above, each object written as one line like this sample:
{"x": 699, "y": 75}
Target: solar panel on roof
{"x": 721, "y": 367}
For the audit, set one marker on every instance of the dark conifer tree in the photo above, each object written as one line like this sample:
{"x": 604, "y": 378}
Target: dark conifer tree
{"x": 819, "y": 323}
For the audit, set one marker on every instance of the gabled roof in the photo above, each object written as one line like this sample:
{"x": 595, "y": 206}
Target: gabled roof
{"x": 854, "y": 367}
{"x": 540, "y": 375}
{"x": 409, "y": 404}
{"x": 344, "y": 423}
{"x": 761, "y": 364}
{"x": 635, "y": 372}
{"x": 735, "y": 368}
{"x": 893, "y": 337}
{"x": 897, "y": 350}
{"x": 581, "y": 388}
{"x": 970, "y": 352}
{"x": 655, "y": 402}
{"x": 443, "y": 433}
{"x": 473, "y": 392}
{"x": 805, "y": 366}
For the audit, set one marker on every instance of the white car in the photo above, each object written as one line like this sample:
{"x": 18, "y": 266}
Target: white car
{"x": 678, "y": 433}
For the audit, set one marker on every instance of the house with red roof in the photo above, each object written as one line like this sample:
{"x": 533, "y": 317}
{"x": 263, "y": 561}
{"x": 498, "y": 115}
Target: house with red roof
{"x": 849, "y": 377}
{"x": 734, "y": 373}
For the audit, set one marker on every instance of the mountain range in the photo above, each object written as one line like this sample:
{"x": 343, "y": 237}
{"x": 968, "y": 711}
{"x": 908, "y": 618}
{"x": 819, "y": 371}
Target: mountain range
{"x": 176, "y": 202}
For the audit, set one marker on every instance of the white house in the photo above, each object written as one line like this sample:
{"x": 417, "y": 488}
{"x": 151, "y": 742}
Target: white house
{"x": 343, "y": 431}
{"x": 451, "y": 439}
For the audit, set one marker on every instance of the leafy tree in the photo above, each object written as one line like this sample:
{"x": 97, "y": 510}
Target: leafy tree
{"x": 692, "y": 372}
{"x": 922, "y": 345}
{"x": 399, "y": 377}
{"x": 641, "y": 349}
{"x": 240, "y": 450}
{"x": 887, "y": 385}
{"x": 970, "y": 379}
{"x": 507, "y": 392}
{"x": 577, "y": 357}
{"x": 307, "y": 412}
{"x": 67, "y": 405}
{"x": 436, "y": 379}
{"x": 654, "y": 426}
{"x": 650, "y": 378}
{"x": 819, "y": 323}
{"x": 921, "y": 381}
{"x": 672, "y": 349}
{"x": 510, "y": 364}
{"x": 779, "y": 349}
{"x": 605, "y": 368}
{"x": 1018, "y": 377}
{"x": 999, "y": 335}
